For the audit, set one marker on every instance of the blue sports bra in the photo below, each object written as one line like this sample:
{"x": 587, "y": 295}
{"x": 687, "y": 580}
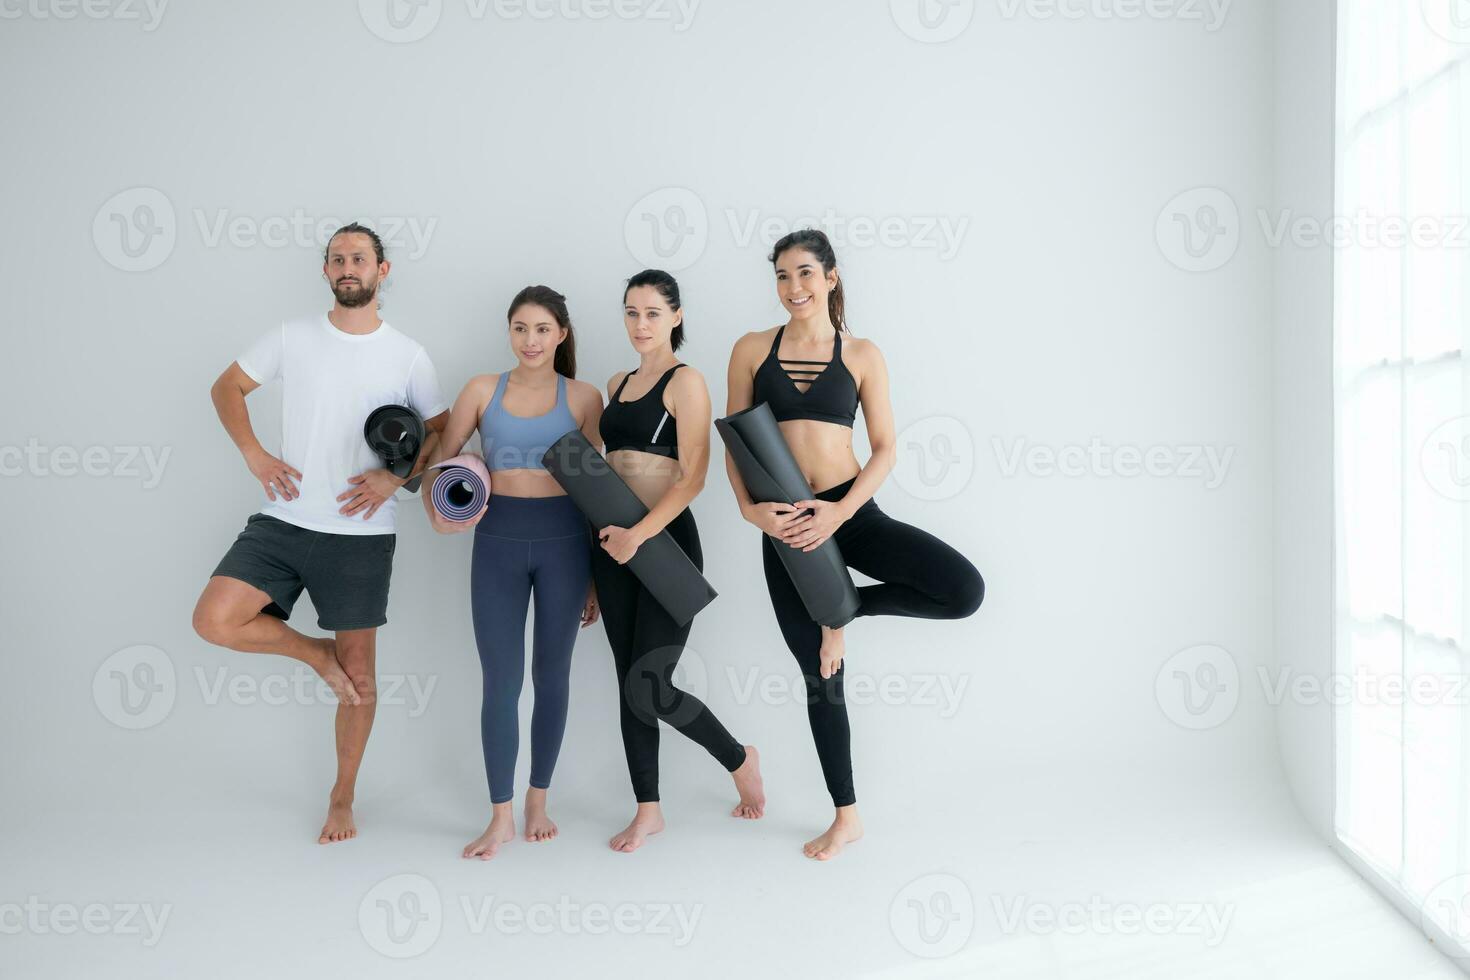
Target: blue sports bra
{"x": 831, "y": 396}
{"x": 513, "y": 442}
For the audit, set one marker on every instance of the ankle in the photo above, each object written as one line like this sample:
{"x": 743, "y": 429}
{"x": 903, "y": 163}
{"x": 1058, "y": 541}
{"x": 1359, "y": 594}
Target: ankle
{"x": 342, "y": 797}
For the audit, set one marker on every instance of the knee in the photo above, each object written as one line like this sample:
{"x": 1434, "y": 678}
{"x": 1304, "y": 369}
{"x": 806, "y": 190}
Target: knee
{"x": 969, "y": 594}
{"x": 649, "y": 695}
{"x": 212, "y": 623}
{"x": 356, "y": 658}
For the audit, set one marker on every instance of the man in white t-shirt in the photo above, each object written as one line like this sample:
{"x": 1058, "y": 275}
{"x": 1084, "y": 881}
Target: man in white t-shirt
{"x": 328, "y": 526}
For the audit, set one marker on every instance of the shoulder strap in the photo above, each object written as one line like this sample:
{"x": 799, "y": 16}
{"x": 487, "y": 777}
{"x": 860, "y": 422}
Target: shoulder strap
{"x": 499, "y": 389}
{"x": 623, "y": 384}
{"x": 776, "y": 344}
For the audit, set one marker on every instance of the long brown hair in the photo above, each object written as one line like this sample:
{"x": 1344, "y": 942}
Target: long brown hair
{"x": 565, "y": 362}
{"x": 815, "y": 241}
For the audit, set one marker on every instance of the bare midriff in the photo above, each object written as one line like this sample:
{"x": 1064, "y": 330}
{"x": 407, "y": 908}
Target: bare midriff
{"x": 524, "y": 483}
{"x": 648, "y": 475}
{"x": 823, "y": 450}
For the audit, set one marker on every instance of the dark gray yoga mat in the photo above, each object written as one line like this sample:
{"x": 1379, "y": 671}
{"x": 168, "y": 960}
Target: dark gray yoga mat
{"x": 605, "y": 500}
{"x": 771, "y": 475}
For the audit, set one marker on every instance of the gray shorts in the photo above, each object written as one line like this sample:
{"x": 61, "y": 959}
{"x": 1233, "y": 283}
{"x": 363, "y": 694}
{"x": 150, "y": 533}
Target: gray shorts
{"x": 345, "y": 574}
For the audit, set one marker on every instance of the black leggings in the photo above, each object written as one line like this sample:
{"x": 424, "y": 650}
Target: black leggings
{"x": 919, "y": 575}
{"x": 646, "y": 645}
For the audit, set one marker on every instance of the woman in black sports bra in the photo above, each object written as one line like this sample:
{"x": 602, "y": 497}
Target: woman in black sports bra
{"x": 815, "y": 400}
{"x": 655, "y": 431}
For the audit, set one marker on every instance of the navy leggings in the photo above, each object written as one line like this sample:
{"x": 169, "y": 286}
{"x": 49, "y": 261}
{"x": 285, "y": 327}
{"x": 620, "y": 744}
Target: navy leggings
{"x": 646, "y": 645}
{"x": 919, "y": 576}
{"x": 525, "y": 547}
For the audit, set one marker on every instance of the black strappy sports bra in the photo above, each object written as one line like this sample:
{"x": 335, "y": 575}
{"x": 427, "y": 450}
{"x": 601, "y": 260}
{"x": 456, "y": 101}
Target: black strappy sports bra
{"x": 831, "y": 397}
{"x": 638, "y": 424}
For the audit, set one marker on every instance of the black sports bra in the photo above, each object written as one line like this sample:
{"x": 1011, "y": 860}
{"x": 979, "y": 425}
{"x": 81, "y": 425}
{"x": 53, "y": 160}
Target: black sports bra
{"x": 831, "y": 397}
{"x": 638, "y": 424}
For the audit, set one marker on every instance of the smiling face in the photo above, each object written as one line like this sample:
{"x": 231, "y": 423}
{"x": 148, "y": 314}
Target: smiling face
{"x": 353, "y": 270}
{"x": 535, "y": 335}
{"x": 802, "y": 285}
{"x": 648, "y": 318}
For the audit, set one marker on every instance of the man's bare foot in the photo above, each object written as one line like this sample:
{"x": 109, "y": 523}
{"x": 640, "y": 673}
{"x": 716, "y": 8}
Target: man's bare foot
{"x": 832, "y": 651}
{"x": 752, "y": 803}
{"x": 330, "y": 669}
{"x": 648, "y": 820}
{"x": 845, "y": 829}
{"x": 502, "y": 828}
{"x": 339, "y": 825}
{"x": 538, "y": 825}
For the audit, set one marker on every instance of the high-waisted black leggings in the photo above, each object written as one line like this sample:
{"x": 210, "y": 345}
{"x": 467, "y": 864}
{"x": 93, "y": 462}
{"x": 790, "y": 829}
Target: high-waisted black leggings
{"x": 919, "y": 576}
{"x": 646, "y": 645}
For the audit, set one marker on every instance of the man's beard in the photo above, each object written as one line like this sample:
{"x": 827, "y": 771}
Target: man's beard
{"x": 354, "y": 295}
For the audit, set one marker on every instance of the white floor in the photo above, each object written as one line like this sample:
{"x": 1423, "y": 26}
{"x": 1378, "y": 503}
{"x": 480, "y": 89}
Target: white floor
{"x": 1070, "y": 878}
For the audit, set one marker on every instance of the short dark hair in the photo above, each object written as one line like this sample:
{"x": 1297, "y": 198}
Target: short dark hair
{"x": 355, "y": 229}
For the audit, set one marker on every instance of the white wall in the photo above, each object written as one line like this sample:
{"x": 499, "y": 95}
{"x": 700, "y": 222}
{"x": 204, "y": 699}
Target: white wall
{"x": 1060, "y": 318}
{"x": 1306, "y": 96}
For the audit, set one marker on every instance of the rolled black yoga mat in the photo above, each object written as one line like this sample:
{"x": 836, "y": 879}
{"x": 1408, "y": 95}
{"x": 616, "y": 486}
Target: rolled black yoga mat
{"x": 605, "y": 500}
{"x": 396, "y": 433}
{"x": 771, "y": 475}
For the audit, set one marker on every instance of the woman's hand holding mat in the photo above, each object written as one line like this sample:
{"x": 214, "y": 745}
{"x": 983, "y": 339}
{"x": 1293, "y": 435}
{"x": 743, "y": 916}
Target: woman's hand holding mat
{"x": 459, "y": 495}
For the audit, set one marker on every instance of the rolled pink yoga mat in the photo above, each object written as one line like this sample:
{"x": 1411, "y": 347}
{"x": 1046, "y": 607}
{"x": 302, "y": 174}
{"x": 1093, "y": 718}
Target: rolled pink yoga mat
{"x": 460, "y": 493}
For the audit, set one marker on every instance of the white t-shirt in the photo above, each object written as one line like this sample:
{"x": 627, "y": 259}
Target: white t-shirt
{"x": 330, "y": 382}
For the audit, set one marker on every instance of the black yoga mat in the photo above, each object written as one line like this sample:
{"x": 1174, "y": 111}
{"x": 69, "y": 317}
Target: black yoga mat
{"x": 771, "y": 475}
{"x": 396, "y": 433}
{"x": 605, "y": 500}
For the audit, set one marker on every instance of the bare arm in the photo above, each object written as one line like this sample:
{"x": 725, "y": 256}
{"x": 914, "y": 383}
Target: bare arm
{"x": 691, "y": 410}
{"x": 740, "y": 394}
{"x": 228, "y": 394}
{"x": 873, "y": 394}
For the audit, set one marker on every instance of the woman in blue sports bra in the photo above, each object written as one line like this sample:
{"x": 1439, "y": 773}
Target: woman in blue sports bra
{"x": 656, "y": 434}
{"x": 531, "y": 544}
{"x": 813, "y": 380}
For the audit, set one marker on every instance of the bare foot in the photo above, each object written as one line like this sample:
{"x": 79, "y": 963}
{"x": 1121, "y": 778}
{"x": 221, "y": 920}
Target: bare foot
{"x": 648, "y": 820}
{"x": 327, "y": 665}
{"x": 832, "y": 650}
{"x": 752, "y": 803}
{"x": 538, "y": 825}
{"x": 845, "y": 829}
{"x": 339, "y": 825}
{"x": 502, "y": 828}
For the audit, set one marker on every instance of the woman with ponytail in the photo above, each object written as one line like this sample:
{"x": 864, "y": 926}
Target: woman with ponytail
{"x": 656, "y": 434}
{"x": 813, "y": 380}
{"x": 531, "y": 544}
